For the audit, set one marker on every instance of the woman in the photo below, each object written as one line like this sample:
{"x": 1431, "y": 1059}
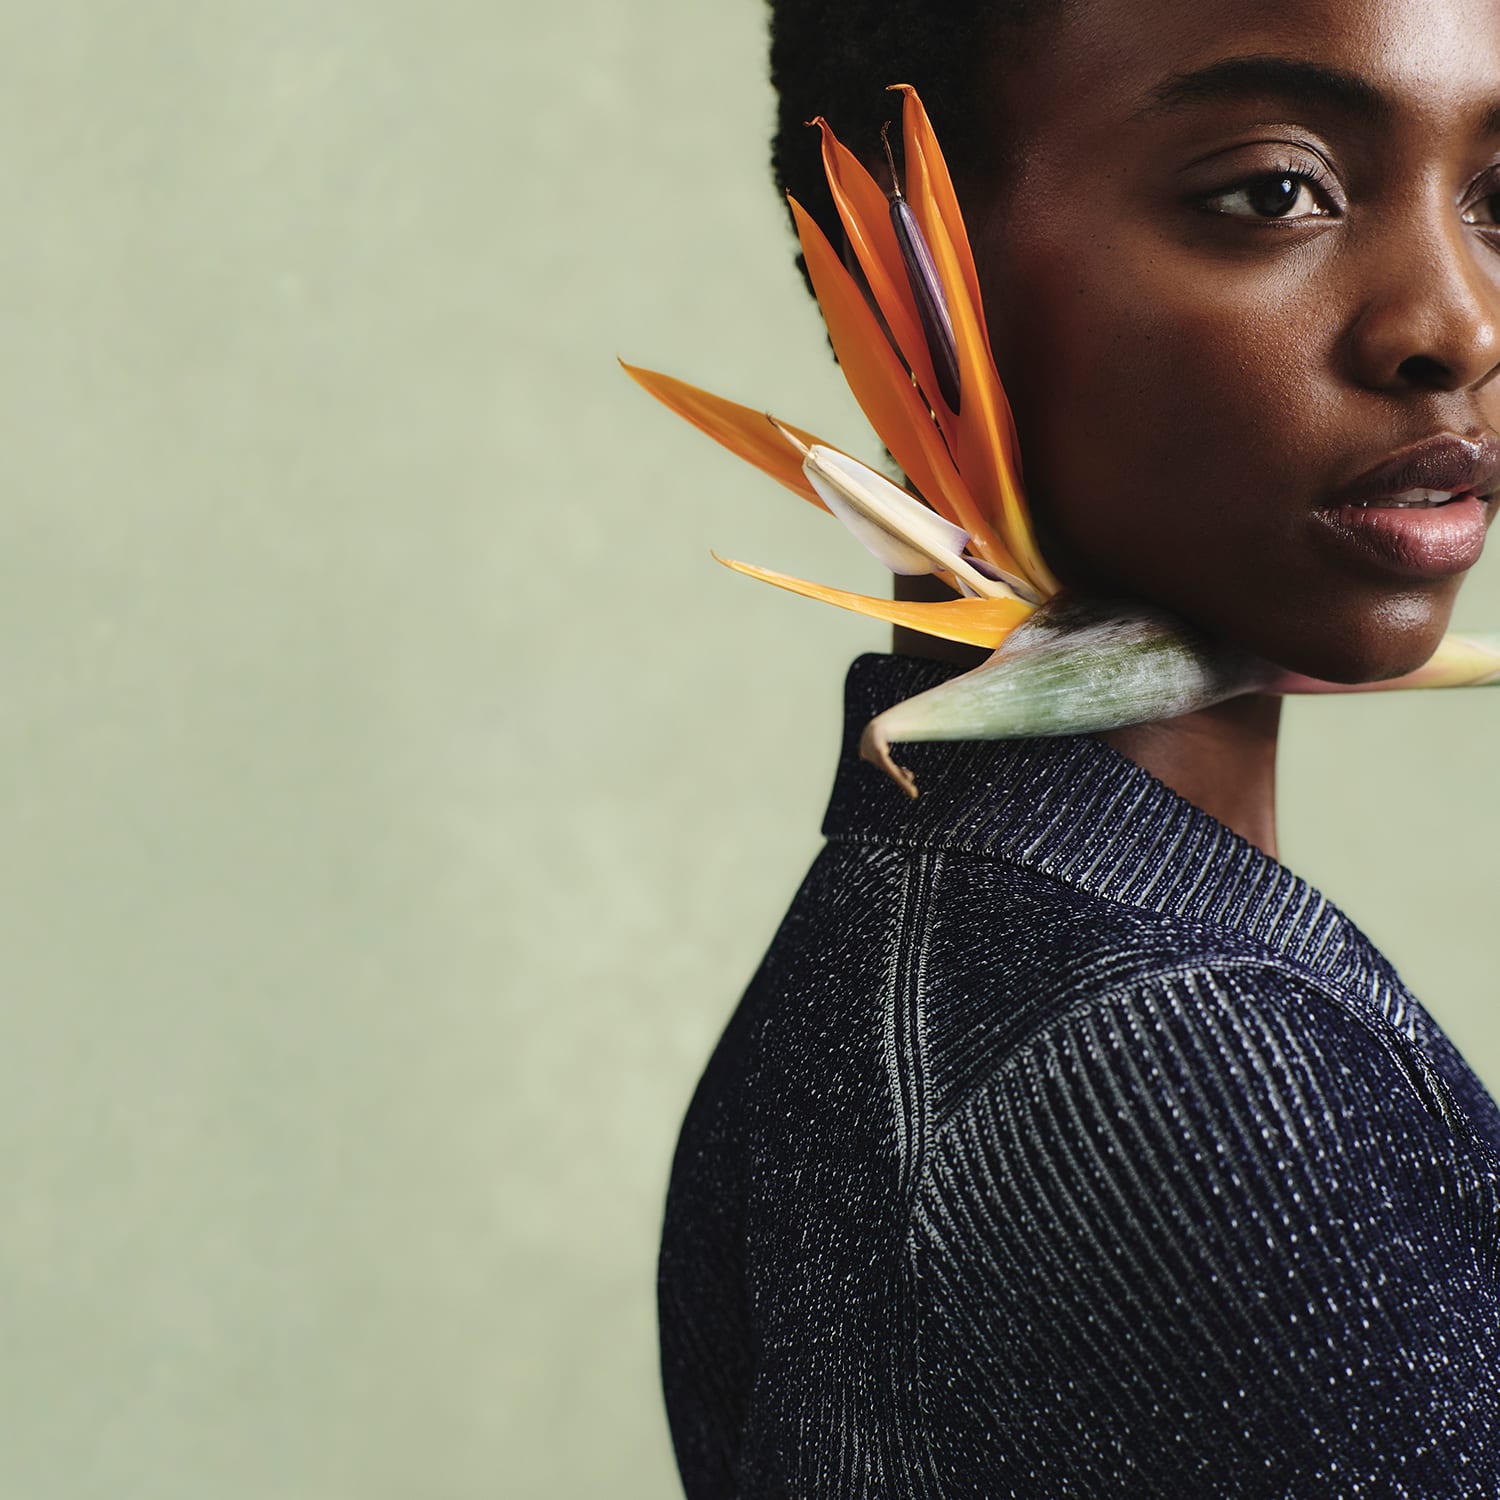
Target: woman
{"x": 1065, "y": 1143}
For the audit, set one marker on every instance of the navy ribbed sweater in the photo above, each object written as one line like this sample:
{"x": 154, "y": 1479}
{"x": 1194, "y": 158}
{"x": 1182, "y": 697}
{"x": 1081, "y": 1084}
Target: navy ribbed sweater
{"x": 1066, "y": 1145}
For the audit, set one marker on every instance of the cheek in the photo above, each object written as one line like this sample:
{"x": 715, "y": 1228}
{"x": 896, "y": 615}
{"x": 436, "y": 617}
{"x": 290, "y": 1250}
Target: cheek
{"x": 1181, "y": 421}
{"x": 1159, "y": 408}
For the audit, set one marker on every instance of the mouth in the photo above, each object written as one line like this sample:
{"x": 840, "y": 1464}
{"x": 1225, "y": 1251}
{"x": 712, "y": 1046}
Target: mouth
{"x": 1421, "y": 513}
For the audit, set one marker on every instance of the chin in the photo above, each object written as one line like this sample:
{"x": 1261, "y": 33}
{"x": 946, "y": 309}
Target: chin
{"x": 1387, "y": 639}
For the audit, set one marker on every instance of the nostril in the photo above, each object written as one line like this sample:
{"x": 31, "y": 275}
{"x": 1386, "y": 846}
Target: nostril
{"x": 1424, "y": 370}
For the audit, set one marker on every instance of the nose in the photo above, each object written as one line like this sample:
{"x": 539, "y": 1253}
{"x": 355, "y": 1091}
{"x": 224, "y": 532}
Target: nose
{"x": 1429, "y": 319}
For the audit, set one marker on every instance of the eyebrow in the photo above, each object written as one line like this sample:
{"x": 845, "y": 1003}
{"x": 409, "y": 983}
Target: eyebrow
{"x": 1308, "y": 84}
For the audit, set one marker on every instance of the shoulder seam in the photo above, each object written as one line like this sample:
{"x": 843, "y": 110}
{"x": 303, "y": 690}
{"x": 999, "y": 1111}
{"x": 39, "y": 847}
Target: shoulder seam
{"x": 1427, "y": 1086}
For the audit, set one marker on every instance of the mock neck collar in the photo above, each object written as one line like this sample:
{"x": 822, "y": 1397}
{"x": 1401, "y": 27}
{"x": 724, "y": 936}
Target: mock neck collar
{"x": 1078, "y": 811}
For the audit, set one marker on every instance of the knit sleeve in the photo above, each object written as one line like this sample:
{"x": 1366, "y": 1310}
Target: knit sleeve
{"x": 1217, "y": 1236}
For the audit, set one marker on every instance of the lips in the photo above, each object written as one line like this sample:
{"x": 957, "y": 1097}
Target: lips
{"x": 1446, "y": 464}
{"x": 1423, "y": 511}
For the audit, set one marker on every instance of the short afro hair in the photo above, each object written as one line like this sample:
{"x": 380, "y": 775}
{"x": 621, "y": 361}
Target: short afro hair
{"x": 836, "y": 58}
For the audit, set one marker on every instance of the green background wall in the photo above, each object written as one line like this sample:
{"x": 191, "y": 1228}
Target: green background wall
{"x": 395, "y": 794}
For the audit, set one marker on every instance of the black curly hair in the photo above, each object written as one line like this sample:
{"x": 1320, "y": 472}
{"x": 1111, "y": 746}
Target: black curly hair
{"x": 836, "y": 58}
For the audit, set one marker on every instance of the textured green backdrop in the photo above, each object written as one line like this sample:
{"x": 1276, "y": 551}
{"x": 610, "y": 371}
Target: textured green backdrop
{"x": 396, "y": 795}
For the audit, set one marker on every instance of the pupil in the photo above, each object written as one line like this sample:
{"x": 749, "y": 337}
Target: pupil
{"x": 1274, "y": 196}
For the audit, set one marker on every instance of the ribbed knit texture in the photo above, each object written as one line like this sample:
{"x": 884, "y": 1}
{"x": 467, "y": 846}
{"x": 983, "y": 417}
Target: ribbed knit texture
{"x": 1066, "y": 1145}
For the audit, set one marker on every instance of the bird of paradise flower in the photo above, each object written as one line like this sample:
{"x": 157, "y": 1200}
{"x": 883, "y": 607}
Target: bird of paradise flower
{"x": 919, "y": 363}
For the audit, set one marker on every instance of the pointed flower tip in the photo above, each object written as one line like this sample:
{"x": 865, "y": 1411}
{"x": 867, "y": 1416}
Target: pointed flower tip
{"x": 1459, "y": 661}
{"x": 875, "y": 748}
{"x": 973, "y": 622}
{"x": 790, "y": 436}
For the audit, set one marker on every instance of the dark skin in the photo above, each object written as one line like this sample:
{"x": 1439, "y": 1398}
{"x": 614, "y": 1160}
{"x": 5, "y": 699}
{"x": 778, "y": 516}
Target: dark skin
{"x": 1219, "y": 294}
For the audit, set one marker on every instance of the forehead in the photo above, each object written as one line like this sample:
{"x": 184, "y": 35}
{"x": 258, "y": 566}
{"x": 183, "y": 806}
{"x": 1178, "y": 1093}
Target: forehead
{"x": 1107, "y": 60}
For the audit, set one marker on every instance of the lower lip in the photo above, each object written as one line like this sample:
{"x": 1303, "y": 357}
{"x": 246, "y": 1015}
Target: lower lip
{"x": 1434, "y": 541}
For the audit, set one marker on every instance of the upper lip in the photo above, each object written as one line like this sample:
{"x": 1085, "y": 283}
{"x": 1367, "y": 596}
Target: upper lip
{"x": 1462, "y": 465}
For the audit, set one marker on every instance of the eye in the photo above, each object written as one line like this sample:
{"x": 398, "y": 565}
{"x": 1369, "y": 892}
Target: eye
{"x": 1283, "y": 194}
{"x": 1485, "y": 211}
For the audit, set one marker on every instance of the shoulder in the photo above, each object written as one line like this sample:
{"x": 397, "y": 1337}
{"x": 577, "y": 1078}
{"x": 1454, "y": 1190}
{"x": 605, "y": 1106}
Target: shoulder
{"x": 1171, "y": 1216}
{"x": 1233, "y": 1089}
{"x": 977, "y": 966}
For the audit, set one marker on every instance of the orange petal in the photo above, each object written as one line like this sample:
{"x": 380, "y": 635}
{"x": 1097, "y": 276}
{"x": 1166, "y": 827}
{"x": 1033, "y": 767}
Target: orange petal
{"x": 741, "y": 429}
{"x": 929, "y": 189}
{"x": 987, "y": 451}
{"x": 885, "y": 391}
{"x": 986, "y": 432}
{"x": 866, "y": 215}
{"x": 975, "y": 622}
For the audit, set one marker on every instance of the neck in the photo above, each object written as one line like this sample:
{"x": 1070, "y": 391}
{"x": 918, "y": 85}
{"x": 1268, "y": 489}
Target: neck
{"x": 1221, "y": 758}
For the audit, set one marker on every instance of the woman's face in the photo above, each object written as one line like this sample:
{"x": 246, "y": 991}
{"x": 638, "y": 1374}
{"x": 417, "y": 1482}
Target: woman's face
{"x": 1243, "y": 280}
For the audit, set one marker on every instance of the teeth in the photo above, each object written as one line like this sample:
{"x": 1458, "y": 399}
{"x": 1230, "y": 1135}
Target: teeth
{"x": 1411, "y": 500}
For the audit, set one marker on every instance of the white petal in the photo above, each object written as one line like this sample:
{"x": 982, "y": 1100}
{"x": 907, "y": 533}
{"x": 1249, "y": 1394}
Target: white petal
{"x": 897, "y": 527}
{"x": 899, "y": 556}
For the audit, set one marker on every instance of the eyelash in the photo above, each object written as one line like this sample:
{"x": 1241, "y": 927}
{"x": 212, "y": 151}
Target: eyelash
{"x": 1309, "y": 177}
